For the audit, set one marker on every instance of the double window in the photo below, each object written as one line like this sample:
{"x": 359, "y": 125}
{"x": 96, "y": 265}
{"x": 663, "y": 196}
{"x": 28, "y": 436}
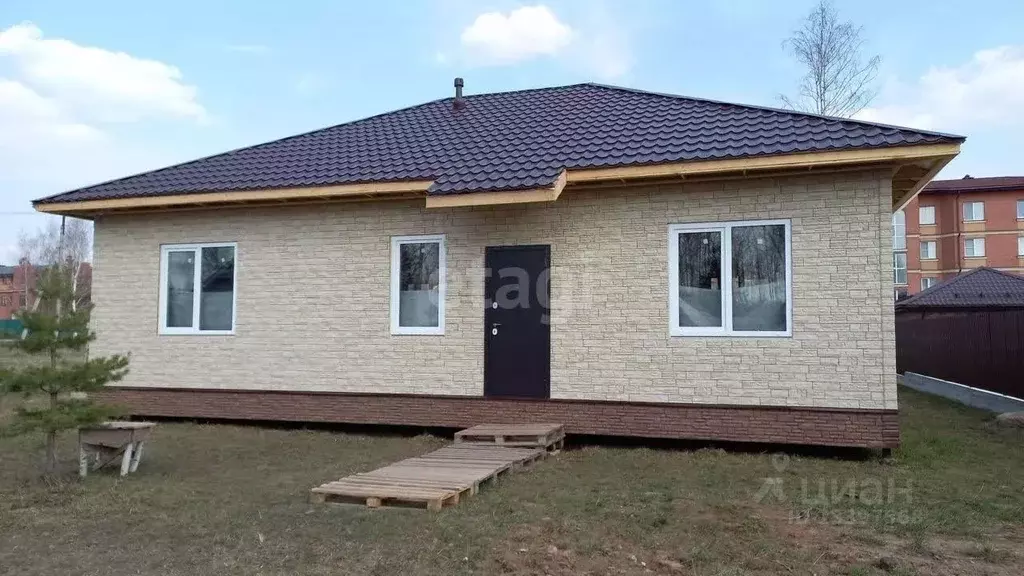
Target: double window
{"x": 926, "y": 215}
{"x": 417, "y": 284}
{"x": 927, "y": 283}
{"x": 974, "y": 247}
{"x": 730, "y": 279}
{"x": 928, "y": 250}
{"x": 197, "y": 289}
{"x": 974, "y": 211}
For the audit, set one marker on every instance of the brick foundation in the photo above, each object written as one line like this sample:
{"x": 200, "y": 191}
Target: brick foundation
{"x": 783, "y": 425}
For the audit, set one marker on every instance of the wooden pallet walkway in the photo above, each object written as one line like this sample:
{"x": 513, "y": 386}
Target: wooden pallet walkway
{"x": 432, "y": 481}
{"x": 547, "y": 436}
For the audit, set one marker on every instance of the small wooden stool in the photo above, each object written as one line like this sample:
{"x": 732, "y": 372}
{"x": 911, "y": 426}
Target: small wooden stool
{"x": 105, "y": 442}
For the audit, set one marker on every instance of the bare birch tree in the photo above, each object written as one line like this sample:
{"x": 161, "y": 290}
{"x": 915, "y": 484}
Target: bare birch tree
{"x": 837, "y": 81}
{"x": 46, "y": 247}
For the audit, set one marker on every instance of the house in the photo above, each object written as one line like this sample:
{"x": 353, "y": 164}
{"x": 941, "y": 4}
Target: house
{"x": 968, "y": 330}
{"x": 958, "y": 225}
{"x": 623, "y": 262}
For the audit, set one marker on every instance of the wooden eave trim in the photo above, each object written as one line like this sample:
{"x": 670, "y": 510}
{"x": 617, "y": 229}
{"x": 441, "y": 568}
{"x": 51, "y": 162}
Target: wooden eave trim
{"x": 549, "y": 194}
{"x": 943, "y": 153}
{"x": 914, "y": 190}
{"x": 802, "y": 160}
{"x": 382, "y": 189}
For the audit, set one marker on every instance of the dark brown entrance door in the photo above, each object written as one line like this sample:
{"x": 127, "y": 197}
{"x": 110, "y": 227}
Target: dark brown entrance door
{"x": 517, "y": 328}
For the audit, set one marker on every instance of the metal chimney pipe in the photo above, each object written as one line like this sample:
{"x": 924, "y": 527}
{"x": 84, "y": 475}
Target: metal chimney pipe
{"x": 458, "y": 88}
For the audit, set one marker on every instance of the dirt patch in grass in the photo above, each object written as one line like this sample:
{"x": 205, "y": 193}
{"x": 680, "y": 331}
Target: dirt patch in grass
{"x": 215, "y": 499}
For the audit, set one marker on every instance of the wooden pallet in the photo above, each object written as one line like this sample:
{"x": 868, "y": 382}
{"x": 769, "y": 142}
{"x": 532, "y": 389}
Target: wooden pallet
{"x": 433, "y": 481}
{"x": 547, "y": 436}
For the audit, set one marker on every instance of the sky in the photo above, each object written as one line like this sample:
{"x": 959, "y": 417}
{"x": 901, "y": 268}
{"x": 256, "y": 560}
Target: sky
{"x": 91, "y": 91}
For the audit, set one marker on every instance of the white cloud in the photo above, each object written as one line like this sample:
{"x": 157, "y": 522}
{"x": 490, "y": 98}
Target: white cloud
{"x": 248, "y": 48}
{"x": 66, "y": 111}
{"x": 987, "y": 91}
{"x": 96, "y": 83}
{"x": 525, "y": 33}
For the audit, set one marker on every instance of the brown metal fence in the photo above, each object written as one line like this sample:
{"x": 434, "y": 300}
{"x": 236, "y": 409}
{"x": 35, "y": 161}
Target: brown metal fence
{"x": 983, "y": 348}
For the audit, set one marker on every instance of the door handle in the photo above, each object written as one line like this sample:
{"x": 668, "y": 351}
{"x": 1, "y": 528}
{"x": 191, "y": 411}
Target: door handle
{"x": 494, "y": 328}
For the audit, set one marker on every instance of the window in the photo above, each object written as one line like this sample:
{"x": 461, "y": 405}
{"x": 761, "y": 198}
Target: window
{"x": 1020, "y": 209}
{"x": 417, "y": 284}
{"x": 974, "y": 211}
{"x": 899, "y": 230}
{"x": 927, "y": 283}
{"x": 926, "y": 215}
{"x": 730, "y": 279}
{"x": 928, "y": 250}
{"x": 5, "y": 300}
{"x": 974, "y": 247}
{"x": 1020, "y": 246}
{"x": 899, "y": 267}
{"x": 197, "y": 289}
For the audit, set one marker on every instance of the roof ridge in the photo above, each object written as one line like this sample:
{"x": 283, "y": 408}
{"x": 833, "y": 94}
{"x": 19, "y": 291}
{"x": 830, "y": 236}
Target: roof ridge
{"x": 775, "y": 110}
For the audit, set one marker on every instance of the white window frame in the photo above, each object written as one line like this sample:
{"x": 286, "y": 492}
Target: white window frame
{"x": 899, "y": 231}
{"x": 975, "y": 217}
{"x": 921, "y": 211}
{"x": 974, "y": 241}
{"x": 1020, "y": 209}
{"x": 396, "y": 275}
{"x": 194, "y": 330}
{"x": 1020, "y": 246}
{"x": 933, "y": 282}
{"x": 931, "y": 254}
{"x": 725, "y": 228}
{"x": 896, "y": 269}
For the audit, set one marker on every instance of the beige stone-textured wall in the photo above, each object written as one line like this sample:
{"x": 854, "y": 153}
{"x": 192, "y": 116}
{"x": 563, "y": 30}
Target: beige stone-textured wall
{"x": 313, "y": 296}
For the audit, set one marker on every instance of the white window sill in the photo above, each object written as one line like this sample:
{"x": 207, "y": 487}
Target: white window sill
{"x": 425, "y": 331}
{"x": 676, "y": 333}
{"x": 929, "y": 259}
{"x": 972, "y": 221}
{"x": 189, "y": 332}
{"x": 974, "y": 257}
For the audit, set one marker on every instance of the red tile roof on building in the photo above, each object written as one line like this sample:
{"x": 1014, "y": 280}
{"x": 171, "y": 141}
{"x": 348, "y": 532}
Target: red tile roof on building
{"x": 512, "y": 141}
{"x": 971, "y": 184}
{"x": 980, "y": 288}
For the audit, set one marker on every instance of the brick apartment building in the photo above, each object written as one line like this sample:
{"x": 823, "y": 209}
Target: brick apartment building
{"x": 956, "y": 225}
{"x": 13, "y": 293}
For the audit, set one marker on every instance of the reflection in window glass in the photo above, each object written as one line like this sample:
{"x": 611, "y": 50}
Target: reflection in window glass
{"x": 419, "y": 280}
{"x": 700, "y": 278}
{"x": 181, "y": 274}
{"x": 899, "y": 267}
{"x": 759, "y": 278}
{"x": 216, "y": 303}
{"x": 899, "y": 231}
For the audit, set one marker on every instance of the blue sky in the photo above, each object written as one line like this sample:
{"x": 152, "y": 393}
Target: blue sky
{"x": 96, "y": 90}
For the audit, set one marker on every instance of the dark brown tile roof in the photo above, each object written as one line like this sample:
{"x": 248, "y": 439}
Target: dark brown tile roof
{"x": 969, "y": 184}
{"x": 511, "y": 141}
{"x": 980, "y": 288}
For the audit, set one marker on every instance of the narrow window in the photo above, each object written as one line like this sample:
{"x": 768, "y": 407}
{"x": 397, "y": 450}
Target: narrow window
{"x": 417, "y": 284}
{"x": 197, "y": 289}
{"x": 730, "y": 279}
{"x": 974, "y": 211}
{"x": 1020, "y": 246}
{"x": 927, "y": 283}
{"x": 1020, "y": 209}
{"x": 974, "y": 247}
{"x": 926, "y": 215}
{"x": 928, "y": 250}
{"x": 899, "y": 231}
{"x": 899, "y": 267}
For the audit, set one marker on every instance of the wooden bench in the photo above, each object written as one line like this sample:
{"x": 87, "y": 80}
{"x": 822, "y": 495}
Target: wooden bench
{"x": 105, "y": 442}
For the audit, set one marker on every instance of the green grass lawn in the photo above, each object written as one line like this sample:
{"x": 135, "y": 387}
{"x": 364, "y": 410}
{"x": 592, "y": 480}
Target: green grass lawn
{"x": 217, "y": 499}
